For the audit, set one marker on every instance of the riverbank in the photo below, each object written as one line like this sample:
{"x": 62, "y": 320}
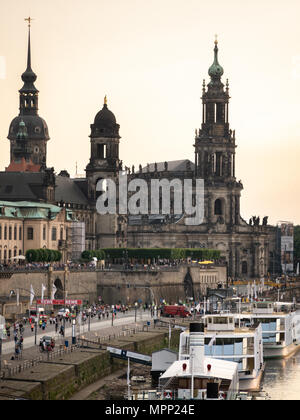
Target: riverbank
{"x": 68, "y": 374}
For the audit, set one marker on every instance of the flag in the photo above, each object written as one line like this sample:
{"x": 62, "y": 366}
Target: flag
{"x": 43, "y": 290}
{"x": 212, "y": 341}
{"x": 31, "y": 294}
{"x": 53, "y": 291}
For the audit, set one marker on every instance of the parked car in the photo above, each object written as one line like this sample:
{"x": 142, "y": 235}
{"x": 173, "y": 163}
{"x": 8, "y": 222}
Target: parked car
{"x": 175, "y": 310}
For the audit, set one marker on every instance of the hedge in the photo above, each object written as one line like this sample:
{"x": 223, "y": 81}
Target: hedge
{"x": 88, "y": 255}
{"x": 154, "y": 253}
{"x": 43, "y": 255}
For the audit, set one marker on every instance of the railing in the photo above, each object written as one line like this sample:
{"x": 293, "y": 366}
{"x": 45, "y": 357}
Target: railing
{"x": 8, "y": 371}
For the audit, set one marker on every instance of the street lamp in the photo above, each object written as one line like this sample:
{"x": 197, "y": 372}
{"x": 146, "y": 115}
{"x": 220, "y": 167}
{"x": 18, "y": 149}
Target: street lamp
{"x": 89, "y": 312}
{"x": 135, "y": 308}
{"x": 12, "y": 293}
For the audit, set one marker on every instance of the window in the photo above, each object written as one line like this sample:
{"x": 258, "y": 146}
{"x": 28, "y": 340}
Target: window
{"x": 100, "y": 151}
{"x": 15, "y": 233}
{"x": 44, "y": 233}
{"x": 30, "y": 234}
{"x": 61, "y": 234}
{"x": 20, "y": 233}
{"x": 218, "y": 207}
{"x": 54, "y": 234}
{"x": 5, "y": 233}
{"x": 0, "y": 232}
{"x": 10, "y": 233}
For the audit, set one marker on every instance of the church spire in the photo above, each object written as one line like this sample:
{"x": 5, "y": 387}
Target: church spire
{"x": 29, "y": 93}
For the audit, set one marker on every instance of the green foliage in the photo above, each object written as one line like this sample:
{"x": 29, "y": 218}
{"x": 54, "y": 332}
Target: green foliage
{"x": 88, "y": 255}
{"x": 43, "y": 255}
{"x": 154, "y": 253}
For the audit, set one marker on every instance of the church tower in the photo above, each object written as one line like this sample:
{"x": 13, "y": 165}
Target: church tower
{"x": 104, "y": 160}
{"x": 110, "y": 229}
{"x": 28, "y": 126}
{"x": 215, "y": 152}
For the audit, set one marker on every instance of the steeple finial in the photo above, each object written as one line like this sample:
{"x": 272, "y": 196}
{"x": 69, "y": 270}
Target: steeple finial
{"x": 105, "y": 100}
{"x": 29, "y": 19}
{"x": 216, "y": 71}
{"x": 29, "y": 47}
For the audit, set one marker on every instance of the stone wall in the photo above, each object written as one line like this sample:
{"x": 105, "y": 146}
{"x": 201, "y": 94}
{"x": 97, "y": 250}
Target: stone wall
{"x": 62, "y": 377}
{"x": 113, "y": 286}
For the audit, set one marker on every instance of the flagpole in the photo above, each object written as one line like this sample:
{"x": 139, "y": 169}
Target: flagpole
{"x": 128, "y": 379}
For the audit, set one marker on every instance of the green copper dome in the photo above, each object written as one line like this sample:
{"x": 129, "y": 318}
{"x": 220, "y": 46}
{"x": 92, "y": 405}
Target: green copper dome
{"x": 216, "y": 71}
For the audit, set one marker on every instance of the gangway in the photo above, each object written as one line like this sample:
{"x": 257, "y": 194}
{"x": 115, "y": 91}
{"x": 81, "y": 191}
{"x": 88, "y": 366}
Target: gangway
{"x": 132, "y": 356}
{"x": 119, "y": 353}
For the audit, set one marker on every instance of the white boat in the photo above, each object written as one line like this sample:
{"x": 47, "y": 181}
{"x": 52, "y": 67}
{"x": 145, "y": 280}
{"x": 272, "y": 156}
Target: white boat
{"x": 229, "y": 342}
{"x": 280, "y": 327}
{"x": 197, "y": 376}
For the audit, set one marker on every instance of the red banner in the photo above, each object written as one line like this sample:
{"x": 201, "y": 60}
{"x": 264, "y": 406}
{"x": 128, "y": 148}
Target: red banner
{"x": 69, "y": 302}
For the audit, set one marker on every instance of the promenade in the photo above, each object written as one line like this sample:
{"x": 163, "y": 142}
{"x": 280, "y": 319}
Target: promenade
{"x": 98, "y": 329}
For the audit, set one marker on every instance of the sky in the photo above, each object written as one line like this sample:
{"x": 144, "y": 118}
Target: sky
{"x": 150, "y": 58}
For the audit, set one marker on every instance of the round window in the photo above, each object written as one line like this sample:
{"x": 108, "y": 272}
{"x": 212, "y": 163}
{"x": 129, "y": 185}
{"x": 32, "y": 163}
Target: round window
{"x": 36, "y": 149}
{"x": 37, "y": 129}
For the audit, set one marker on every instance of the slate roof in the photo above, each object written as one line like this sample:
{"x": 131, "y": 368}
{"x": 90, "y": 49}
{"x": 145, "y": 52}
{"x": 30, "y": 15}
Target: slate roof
{"x": 173, "y": 166}
{"x": 70, "y": 190}
{"x": 21, "y": 186}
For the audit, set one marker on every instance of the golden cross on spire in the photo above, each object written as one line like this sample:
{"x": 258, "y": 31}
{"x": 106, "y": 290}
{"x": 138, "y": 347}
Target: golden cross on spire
{"x": 29, "y": 19}
{"x": 216, "y": 39}
{"x": 105, "y": 100}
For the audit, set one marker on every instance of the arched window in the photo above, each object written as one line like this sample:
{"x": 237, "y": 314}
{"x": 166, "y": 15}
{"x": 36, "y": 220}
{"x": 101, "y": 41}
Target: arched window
{"x": 218, "y": 207}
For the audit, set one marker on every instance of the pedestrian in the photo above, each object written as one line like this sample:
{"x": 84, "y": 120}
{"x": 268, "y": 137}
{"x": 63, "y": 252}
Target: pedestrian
{"x": 32, "y": 326}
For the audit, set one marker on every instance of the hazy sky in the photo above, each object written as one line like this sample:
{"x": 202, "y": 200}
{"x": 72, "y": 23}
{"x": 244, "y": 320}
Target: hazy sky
{"x": 150, "y": 58}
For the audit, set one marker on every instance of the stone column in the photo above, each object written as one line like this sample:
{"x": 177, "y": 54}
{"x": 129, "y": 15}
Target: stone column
{"x": 256, "y": 259}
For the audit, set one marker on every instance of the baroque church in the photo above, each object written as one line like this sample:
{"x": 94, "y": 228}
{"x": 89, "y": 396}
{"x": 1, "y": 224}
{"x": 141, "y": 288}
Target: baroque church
{"x": 249, "y": 248}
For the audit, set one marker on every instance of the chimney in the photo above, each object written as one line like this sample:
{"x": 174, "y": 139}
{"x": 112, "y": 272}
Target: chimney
{"x": 197, "y": 347}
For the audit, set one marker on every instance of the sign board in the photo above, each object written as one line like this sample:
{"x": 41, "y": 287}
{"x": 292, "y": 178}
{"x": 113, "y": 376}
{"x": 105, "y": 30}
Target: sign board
{"x": 69, "y": 302}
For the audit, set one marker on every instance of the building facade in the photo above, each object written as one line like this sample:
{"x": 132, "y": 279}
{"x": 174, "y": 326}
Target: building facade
{"x": 25, "y": 225}
{"x": 246, "y": 246}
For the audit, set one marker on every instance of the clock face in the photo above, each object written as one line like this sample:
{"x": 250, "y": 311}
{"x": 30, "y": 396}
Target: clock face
{"x": 36, "y": 150}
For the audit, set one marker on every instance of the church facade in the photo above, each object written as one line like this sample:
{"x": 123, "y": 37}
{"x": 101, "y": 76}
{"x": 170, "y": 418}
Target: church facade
{"x": 248, "y": 247}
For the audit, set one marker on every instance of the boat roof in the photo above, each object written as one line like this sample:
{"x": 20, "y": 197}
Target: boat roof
{"x": 222, "y": 369}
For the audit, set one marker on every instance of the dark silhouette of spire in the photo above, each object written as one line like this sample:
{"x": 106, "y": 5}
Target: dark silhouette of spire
{"x": 29, "y": 77}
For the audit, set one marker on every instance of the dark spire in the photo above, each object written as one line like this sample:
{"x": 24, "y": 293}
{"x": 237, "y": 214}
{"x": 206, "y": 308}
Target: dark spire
{"x": 29, "y": 77}
{"x": 28, "y": 93}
